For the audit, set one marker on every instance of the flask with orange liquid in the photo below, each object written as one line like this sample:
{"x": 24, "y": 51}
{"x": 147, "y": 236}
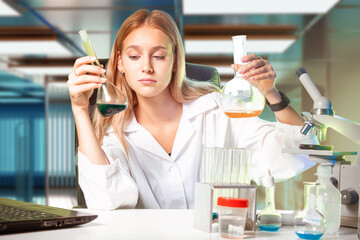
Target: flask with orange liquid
{"x": 239, "y": 98}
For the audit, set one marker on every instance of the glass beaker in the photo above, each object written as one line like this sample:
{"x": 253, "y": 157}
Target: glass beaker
{"x": 309, "y": 223}
{"x": 239, "y": 98}
{"x": 109, "y": 100}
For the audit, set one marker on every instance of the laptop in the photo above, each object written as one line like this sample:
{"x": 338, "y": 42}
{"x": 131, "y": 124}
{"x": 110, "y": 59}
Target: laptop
{"x": 18, "y": 216}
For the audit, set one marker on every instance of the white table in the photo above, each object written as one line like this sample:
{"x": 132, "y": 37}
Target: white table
{"x": 150, "y": 224}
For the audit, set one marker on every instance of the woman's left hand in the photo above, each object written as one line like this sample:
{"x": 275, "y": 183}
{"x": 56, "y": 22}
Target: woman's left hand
{"x": 258, "y": 71}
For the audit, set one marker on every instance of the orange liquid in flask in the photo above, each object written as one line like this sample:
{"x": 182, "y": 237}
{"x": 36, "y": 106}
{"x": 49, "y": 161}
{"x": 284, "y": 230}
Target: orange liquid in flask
{"x": 243, "y": 114}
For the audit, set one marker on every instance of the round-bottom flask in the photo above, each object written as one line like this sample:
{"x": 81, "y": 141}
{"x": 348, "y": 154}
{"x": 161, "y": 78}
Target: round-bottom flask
{"x": 269, "y": 219}
{"x": 239, "y": 98}
{"x": 309, "y": 223}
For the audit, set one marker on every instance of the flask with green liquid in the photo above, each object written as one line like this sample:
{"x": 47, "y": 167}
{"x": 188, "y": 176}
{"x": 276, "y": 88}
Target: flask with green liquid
{"x": 109, "y": 100}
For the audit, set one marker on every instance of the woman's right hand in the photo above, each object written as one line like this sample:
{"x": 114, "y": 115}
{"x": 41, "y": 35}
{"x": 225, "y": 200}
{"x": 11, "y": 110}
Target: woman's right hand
{"x": 82, "y": 81}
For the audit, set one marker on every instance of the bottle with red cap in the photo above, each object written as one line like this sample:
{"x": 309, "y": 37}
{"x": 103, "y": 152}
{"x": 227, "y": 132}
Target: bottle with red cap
{"x": 232, "y": 216}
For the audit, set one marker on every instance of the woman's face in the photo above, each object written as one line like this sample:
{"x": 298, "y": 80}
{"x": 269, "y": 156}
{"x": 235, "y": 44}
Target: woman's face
{"x": 147, "y": 60}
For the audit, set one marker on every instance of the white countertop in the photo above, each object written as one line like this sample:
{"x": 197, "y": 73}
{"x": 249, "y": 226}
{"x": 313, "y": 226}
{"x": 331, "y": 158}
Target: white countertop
{"x": 151, "y": 224}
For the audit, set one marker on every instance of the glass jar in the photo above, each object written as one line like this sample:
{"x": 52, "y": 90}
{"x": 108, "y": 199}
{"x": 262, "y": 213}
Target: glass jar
{"x": 309, "y": 223}
{"x": 232, "y": 216}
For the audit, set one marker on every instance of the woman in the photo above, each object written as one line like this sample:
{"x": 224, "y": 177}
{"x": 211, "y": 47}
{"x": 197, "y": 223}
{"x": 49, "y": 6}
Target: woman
{"x": 149, "y": 155}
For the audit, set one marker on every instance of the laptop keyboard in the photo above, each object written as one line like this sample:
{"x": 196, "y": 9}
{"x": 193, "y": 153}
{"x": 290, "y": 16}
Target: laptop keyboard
{"x": 11, "y": 213}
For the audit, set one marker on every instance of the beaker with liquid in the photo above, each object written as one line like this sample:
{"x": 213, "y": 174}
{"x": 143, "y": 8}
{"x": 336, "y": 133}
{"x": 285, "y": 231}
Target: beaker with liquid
{"x": 109, "y": 100}
{"x": 239, "y": 98}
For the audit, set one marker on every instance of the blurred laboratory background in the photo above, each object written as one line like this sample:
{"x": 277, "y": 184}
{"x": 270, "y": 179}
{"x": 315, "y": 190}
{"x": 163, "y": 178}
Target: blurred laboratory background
{"x": 39, "y": 43}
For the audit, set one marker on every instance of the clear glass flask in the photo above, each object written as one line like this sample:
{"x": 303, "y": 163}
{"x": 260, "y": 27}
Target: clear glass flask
{"x": 309, "y": 223}
{"x": 239, "y": 98}
{"x": 269, "y": 219}
{"x": 109, "y": 100}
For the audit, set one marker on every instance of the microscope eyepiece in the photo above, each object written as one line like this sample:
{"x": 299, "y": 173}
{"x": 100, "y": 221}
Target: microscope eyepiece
{"x": 300, "y": 72}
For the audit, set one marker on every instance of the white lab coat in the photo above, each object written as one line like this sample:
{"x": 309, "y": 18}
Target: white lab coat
{"x": 150, "y": 178}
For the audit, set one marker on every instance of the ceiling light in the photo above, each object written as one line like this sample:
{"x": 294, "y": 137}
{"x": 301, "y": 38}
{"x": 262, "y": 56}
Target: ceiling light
{"x": 38, "y": 70}
{"x": 8, "y": 11}
{"x": 215, "y": 7}
{"x": 32, "y": 47}
{"x": 42, "y": 66}
{"x": 215, "y": 39}
{"x": 225, "y": 47}
{"x": 16, "y": 41}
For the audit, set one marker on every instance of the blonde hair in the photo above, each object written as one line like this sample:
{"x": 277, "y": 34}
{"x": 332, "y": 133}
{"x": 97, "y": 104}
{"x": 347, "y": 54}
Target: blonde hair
{"x": 181, "y": 88}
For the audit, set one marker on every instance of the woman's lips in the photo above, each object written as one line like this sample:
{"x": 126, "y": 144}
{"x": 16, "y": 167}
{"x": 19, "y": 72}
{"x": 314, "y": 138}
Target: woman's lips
{"x": 147, "y": 81}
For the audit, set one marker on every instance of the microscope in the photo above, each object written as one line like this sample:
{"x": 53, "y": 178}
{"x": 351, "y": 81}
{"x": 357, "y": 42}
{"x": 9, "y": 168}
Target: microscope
{"x": 346, "y": 174}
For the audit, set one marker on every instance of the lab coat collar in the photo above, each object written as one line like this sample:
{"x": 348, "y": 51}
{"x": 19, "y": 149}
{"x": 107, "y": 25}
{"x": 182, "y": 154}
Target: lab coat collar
{"x": 147, "y": 142}
{"x": 186, "y": 129}
{"x": 190, "y": 109}
{"x": 200, "y": 105}
{"x": 131, "y": 125}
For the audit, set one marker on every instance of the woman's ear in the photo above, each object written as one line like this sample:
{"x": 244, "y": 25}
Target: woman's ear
{"x": 174, "y": 67}
{"x": 119, "y": 64}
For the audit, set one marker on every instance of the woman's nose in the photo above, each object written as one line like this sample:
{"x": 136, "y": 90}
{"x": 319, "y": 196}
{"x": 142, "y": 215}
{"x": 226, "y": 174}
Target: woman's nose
{"x": 148, "y": 68}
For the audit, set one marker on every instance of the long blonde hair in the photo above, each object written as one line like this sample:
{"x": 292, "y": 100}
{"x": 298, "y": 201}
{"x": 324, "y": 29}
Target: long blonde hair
{"x": 181, "y": 88}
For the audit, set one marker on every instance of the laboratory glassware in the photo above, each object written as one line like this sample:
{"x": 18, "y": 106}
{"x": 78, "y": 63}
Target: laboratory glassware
{"x": 239, "y": 98}
{"x": 309, "y": 223}
{"x": 269, "y": 219}
{"x": 232, "y": 216}
{"x": 109, "y": 100}
{"x": 328, "y": 199}
{"x": 221, "y": 165}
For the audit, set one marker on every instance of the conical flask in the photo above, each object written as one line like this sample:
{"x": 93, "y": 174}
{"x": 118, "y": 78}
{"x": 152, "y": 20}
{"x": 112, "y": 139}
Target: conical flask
{"x": 309, "y": 223}
{"x": 239, "y": 98}
{"x": 109, "y": 100}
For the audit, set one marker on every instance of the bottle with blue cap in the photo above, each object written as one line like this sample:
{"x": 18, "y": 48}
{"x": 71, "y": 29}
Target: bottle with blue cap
{"x": 269, "y": 219}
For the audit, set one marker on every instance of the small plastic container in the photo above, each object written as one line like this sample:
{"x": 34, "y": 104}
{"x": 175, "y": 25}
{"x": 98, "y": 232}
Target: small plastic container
{"x": 232, "y": 216}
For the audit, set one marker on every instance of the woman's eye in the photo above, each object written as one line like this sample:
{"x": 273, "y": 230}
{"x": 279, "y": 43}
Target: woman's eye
{"x": 159, "y": 57}
{"x": 134, "y": 57}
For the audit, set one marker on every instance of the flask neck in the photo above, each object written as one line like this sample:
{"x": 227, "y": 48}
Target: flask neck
{"x": 238, "y": 76}
{"x": 310, "y": 196}
{"x": 269, "y": 195}
{"x": 239, "y": 44}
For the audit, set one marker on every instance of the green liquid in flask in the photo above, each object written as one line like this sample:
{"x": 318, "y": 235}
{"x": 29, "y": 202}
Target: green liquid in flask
{"x": 107, "y": 110}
